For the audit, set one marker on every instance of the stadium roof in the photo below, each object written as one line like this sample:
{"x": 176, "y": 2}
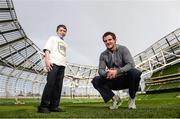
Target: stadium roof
{"x": 20, "y": 53}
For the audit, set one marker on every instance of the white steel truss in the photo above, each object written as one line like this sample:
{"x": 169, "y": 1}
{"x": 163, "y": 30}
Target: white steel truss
{"x": 22, "y": 65}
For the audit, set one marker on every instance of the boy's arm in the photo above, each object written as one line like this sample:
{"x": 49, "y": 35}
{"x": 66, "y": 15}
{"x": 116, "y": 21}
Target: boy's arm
{"x": 47, "y": 61}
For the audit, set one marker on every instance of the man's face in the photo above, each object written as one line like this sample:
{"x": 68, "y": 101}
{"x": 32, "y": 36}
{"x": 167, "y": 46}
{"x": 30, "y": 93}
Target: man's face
{"x": 61, "y": 32}
{"x": 109, "y": 42}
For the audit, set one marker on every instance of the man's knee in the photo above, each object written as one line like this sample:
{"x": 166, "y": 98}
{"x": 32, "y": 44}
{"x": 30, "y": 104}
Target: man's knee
{"x": 95, "y": 81}
{"x": 135, "y": 72}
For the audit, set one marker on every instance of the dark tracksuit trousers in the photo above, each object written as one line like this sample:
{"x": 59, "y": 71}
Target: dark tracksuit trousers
{"x": 129, "y": 80}
{"x": 52, "y": 90}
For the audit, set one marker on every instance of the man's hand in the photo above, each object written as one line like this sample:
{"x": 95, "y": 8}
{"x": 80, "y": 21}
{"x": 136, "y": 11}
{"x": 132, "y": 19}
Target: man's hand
{"x": 111, "y": 73}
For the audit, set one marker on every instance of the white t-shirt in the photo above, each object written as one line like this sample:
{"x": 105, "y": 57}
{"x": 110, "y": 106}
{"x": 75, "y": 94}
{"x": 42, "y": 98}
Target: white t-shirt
{"x": 57, "y": 48}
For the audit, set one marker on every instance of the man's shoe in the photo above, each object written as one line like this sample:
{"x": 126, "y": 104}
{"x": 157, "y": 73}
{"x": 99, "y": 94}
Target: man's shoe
{"x": 43, "y": 109}
{"x": 116, "y": 102}
{"x": 57, "y": 109}
{"x": 131, "y": 103}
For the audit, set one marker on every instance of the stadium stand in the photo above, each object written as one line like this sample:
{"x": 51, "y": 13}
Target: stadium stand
{"x": 21, "y": 61}
{"x": 22, "y": 67}
{"x": 160, "y": 64}
{"x": 168, "y": 81}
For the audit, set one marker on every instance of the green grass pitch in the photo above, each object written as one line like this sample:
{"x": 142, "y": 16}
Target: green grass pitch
{"x": 166, "y": 105}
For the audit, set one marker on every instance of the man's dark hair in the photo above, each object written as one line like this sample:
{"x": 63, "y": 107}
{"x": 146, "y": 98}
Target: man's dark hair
{"x": 109, "y": 33}
{"x": 61, "y": 25}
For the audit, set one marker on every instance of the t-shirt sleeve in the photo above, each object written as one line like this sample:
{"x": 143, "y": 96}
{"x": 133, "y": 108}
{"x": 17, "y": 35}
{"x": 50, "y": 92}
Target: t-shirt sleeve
{"x": 48, "y": 45}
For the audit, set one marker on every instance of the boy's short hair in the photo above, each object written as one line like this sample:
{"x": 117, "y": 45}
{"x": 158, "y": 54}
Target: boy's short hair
{"x": 61, "y": 25}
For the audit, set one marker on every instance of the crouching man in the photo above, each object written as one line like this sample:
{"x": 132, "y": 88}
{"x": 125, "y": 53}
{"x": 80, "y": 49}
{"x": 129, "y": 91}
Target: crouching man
{"x": 116, "y": 72}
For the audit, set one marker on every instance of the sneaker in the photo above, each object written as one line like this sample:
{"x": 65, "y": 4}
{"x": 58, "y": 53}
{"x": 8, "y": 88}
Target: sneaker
{"x": 43, "y": 109}
{"x": 131, "y": 103}
{"x": 57, "y": 109}
{"x": 116, "y": 102}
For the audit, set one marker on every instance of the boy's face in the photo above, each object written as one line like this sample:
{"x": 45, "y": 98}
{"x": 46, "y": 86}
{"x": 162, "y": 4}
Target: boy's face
{"x": 61, "y": 32}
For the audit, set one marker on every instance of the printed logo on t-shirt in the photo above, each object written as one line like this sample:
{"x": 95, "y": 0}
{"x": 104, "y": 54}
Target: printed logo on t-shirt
{"x": 62, "y": 48}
